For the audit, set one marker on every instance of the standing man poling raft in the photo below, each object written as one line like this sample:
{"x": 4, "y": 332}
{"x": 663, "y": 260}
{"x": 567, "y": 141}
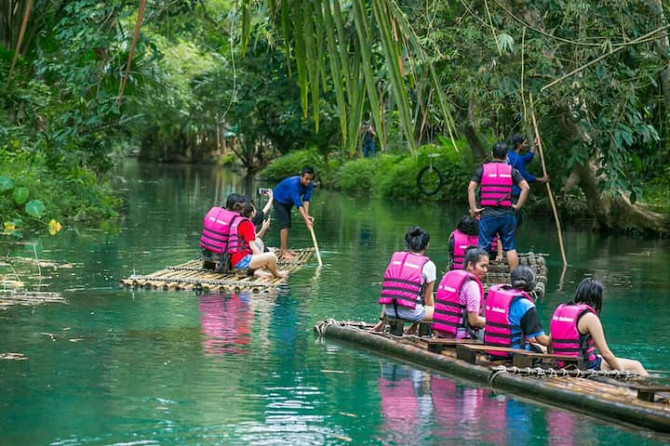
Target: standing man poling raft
{"x": 293, "y": 191}
{"x": 496, "y": 179}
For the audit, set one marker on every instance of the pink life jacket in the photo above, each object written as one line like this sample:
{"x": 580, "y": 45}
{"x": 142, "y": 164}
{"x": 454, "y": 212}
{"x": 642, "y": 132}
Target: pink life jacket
{"x": 498, "y": 330}
{"x": 216, "y": 233}
{"x": 461, "y": 242}
{"x": 450, "y": 314}
{"x": 565, "y": 336}
{"x": 403, "y": 282}
{"x": 496, "y": 185}
{"x": 235, "y": 242}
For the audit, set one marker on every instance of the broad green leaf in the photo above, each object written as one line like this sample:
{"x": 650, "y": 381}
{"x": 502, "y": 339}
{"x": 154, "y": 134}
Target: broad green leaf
{"x": 20, "y": 195}
{"x": 35, "y": 208}
{"x": 6, "y": 183}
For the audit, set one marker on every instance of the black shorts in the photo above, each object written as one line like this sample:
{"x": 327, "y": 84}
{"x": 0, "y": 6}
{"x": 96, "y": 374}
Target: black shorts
{"x": 282, "y": 214}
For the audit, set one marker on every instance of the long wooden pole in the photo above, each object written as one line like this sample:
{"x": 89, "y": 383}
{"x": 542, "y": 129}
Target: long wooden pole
{"x": 316, "y": 246}
{"x": 538, "y": 141}
{"x": 136, "y": 35}
{"x": 22, "y": 32}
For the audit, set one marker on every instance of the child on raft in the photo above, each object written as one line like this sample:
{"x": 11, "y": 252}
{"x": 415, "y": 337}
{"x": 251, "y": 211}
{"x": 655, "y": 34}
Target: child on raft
{"x": 466, "y": 235}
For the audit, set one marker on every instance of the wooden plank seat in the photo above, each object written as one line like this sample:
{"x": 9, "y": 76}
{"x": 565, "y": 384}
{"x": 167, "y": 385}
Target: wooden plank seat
{"x": 436, "y": 345}
{"x": 520, "y": 358}
{"x": 648, "y": 393}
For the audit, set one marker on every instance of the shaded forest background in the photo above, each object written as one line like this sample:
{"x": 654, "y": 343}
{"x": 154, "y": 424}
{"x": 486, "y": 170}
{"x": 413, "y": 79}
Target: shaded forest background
{"x": 246, "y": 83}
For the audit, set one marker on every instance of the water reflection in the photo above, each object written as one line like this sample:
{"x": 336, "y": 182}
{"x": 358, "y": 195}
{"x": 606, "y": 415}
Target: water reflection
{"x": 415, "y": 404}
{"x": 226, "y": 323}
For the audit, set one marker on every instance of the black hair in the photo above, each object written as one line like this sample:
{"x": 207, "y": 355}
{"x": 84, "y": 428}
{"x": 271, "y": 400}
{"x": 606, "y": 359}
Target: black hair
{"x": 468, "y": 225}
{"x": 523, "y": 278}
{"x": 499, "y": 150}
{"x": 234, "y": 199}
{"x": 307, "y": 169}
{"x": 590, "y": 292}
{"x": 246, "y": 208}
{"x": 517, "y": 139}
{"x": 416, "y": 239}
{"x": 472, "y": 255}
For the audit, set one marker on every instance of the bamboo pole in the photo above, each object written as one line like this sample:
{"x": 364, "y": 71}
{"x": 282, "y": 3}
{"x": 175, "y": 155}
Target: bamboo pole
{"x": 538, "y": 140}
{"x": 136, "y": 34}
{"x": 22, "y": 32}
{"x": 316, "y": 246}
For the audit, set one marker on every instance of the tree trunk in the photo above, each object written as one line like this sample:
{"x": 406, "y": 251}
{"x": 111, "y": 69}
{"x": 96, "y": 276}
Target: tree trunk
{"x": 663, "y": 48}
{"x": 471, "y": 134}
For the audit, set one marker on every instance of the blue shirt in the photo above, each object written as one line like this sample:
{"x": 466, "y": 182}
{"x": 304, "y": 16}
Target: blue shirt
{"x": 289, "y": 191}
{"x": 519, "y": 163}
{"x": 519, "y": 315}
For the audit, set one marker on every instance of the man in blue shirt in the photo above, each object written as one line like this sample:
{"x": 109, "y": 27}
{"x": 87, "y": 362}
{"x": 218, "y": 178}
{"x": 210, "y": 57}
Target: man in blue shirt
{"x": 293, "y": 191}
{"x": 517, "y": 159}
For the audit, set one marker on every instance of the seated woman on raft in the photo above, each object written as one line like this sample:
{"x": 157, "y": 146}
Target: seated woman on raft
{"x": 407, "y": 289}
{"x": 511, "y": 317}
{"x": 458, "y": 302}
{"x": 245, "y": 252}
{"x": 464, "y": 236}
{"x": 576, "y": 330}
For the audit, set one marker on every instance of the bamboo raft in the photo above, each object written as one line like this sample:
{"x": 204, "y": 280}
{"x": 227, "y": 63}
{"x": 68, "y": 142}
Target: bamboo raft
{"x": 499, "y": 271}
{"x": 610, "y": 395}
{"x": 191, "y": 276}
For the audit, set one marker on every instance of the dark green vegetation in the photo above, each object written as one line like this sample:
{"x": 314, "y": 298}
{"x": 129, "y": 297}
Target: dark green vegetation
{"x": 211, "y": 82}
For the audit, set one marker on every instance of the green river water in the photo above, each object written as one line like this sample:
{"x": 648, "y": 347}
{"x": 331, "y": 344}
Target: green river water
{"x": 117, "y": 366}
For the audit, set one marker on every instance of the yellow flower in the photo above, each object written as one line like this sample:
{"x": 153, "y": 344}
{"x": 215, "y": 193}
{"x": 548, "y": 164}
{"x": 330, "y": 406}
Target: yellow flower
{"x": 54, "y": 227}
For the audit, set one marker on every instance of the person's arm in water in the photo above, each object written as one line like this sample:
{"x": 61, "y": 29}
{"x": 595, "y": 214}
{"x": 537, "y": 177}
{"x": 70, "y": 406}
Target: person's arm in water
{"x": 590, "y": 323}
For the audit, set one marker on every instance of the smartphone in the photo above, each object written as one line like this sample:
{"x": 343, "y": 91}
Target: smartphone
{"x": 263, "y": 191}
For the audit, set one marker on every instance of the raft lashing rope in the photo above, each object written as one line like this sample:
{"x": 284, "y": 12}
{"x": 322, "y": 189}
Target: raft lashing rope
{"x": 542, "y": 372}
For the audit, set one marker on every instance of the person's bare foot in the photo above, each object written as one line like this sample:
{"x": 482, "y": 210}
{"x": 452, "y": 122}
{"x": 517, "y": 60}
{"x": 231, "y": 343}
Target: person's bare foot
{"x": 287, "y": 255}
{"x": 262, "y": 274}
{"x": 282, "y": 274}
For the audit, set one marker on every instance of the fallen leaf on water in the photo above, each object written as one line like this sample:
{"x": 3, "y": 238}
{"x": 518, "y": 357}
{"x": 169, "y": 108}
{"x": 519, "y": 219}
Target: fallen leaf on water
{"x": 54, "y": 227}
{"x": 343, "y": 438}
{"x": 346, "y": 414}
{"x": 14, "y": 356}
{"x": 76, "y": 339}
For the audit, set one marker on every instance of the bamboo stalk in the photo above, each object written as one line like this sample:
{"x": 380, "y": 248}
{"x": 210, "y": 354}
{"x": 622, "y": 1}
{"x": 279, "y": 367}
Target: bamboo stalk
{"x": 136, "y": 34}
{"x": 22, "y": 32}
{"x": 538, "y": 140}
{"x": 316, "y": 246}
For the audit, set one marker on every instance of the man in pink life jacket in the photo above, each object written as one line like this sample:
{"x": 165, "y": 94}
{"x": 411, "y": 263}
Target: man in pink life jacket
{"x": 459, "y": 297}
{"x": 407, "y": 289}
{"x": 576, "y": 330}
{"x": 497, "y": 210}
{"x": 511, "y": 317}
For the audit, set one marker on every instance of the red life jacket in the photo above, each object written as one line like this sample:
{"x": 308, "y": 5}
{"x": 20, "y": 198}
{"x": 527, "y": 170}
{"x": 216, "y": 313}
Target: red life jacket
{"x": 403, "y": 282}
{"x": 498, "y": 330}
{"x": 565, "y": 336}
{"x": 496, "y": 185}
{"x": 461, "y": 242}
{"x": 216, "y": 234}
{"x": 450, "y": 314}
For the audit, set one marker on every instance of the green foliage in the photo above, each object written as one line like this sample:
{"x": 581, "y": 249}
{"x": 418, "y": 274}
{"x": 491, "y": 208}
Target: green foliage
{"x": 361, "y": 176}
{"x": 291, "y": 164}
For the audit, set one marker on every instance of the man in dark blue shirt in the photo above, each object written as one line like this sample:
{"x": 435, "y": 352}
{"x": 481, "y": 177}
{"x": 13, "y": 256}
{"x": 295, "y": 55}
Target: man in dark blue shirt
{"x": 293, "y": 191}
{"x": 517, "y": 159}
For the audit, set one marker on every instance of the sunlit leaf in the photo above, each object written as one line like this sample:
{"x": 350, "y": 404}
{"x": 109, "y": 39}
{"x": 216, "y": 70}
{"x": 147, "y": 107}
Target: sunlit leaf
{"x": 6, "y": 183}
{"x": 54, "y": 227}
{"x": 35, "y": 208}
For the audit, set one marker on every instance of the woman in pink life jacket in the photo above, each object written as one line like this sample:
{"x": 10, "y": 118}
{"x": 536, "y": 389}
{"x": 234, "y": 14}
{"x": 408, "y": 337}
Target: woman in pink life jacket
{"x": 459, "y": 298}
{"x": 576, "y": 330}
{"x": 407, "y": 288}
{"x": 511, "y": 317}
{"x": 466, "y": 235}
